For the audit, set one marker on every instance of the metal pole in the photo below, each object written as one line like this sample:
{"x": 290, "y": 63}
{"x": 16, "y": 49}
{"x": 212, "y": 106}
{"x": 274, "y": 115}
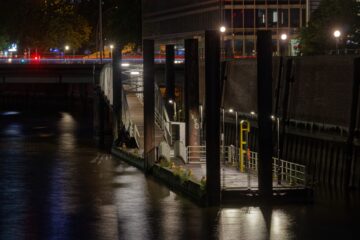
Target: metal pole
{"x": 192, "y": 110}
{"x": 149, "y": 103}
{"x": 223, "y": 135}
{"x": 170, "y": 79}
{"x": 212, "y": 113}
{"x": 278, "y": 170}
{"x": 101, "y": 32}
{"x": 117, "y": 92}
{"x": 236, "y": 136}
{"x": 264, "y": 93}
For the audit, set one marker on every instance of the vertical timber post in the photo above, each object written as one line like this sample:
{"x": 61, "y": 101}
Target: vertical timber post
{"x": 192, "y": 118}
{"x": 149, "y": 104}
{"x": 212, "y": 102}
{"x": 264, "y": 94}
{"x": 117, "y": 92}
{"x": 352, "y": 125}
{"x": 170, "y": 78}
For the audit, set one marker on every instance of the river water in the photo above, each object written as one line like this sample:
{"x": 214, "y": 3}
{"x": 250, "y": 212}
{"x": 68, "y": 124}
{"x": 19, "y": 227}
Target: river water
{"x": 55, "y": 184}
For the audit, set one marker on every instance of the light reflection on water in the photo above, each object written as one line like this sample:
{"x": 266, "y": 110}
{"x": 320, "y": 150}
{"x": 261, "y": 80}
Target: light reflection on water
{"x": 64, "y": 188}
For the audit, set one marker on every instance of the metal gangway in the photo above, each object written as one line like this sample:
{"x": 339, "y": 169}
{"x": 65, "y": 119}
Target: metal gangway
{"x": 132, "y": 102}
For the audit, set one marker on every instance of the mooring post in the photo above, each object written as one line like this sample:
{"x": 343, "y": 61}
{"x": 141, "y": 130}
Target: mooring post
{"x": 212, "y": 114}
{"x": 192, "y": 116}
{"x": 99, "y": 115}
{"x": 149, "y": 103}
{"x": 352, "y": 125}
{"x": 170, "y": 80}
{"x": 117, "y": 92}
{"x": 264, "y": 94}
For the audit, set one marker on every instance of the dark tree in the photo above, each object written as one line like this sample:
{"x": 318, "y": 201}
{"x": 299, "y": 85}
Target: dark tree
{"x": 318, "y": 37}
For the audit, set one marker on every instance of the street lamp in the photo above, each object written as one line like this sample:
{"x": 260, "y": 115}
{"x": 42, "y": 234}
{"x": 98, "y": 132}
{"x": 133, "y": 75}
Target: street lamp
{"x": 337, "y": 35}
{"x": 111, "y": 49}
{"x": 172, "y": 102}
{"x": 222, "y": 30}
{"x": 67, "y": 48}
{"x": 283, "y": 38}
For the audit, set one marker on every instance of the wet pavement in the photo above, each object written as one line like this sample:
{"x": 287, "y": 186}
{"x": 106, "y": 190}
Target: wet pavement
{"x": 55, "y": 184}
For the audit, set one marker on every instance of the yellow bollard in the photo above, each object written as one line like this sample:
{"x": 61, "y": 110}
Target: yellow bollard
{"x": 244, "y": 135}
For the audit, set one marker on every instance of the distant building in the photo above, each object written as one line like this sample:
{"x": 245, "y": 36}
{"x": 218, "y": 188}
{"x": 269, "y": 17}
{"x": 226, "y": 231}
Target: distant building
{"x": 172, "y": 20}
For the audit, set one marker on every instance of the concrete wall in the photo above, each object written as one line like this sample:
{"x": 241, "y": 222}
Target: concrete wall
{"x": 320, "y": 101}
{"x": 178, "y": 17}
{"x": 321, "y": 91}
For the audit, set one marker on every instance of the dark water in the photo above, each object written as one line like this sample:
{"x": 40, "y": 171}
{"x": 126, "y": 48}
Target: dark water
{"x": 55, "y": 184}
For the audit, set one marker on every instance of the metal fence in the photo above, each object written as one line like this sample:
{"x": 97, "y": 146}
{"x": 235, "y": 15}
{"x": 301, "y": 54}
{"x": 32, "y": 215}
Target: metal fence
{"x": 290, "y": 174}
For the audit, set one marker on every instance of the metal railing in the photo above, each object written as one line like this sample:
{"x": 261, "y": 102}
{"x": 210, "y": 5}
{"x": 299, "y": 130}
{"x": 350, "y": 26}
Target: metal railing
{"x": 198, "y": 154}
{"x": 106, "y": 85}
{"x": 291, "y": 173}
{"x": 161, "y": 116}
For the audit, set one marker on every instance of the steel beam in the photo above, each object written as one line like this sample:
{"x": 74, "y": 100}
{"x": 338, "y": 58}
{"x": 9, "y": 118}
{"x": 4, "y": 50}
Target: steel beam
{"x": 149, "y": 103}
{"x": 212, "y": 114}
{"x": 264, "y": 96}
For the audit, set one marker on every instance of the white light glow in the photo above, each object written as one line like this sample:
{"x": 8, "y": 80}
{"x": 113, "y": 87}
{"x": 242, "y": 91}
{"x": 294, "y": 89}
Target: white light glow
{"x": 125, "y": 64}
{"x": 135, "y": 73}
{"x": 231, "y": 110}
{"x": 337, "y": 33}
{"x": 67, "y": 47}
{"x": 283, "y": 36}
{"x": 252, "y": 113}
{"x": 222, "y": 29}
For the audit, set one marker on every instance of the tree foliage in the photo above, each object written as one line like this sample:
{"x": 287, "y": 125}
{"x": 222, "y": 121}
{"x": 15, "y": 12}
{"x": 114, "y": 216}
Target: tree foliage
{"x": 45, "y": 24}
{"x": 317, "y": 37}
{"x": 124, "y": 22}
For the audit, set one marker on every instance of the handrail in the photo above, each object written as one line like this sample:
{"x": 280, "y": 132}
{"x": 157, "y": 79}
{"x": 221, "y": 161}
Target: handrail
{"x": 161, "y": 116}
{"x": 106, "y": 85}
{"x": 290, "y": 172}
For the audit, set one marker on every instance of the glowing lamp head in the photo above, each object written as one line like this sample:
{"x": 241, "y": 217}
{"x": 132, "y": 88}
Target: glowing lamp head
{"x": 222, "y": 29}
{"x": 231, "y": 110}
{"x": 337, "y": 33}
{"x": 283, "y": 36}
{"x": 171, "y": 101}
{"x": 111, "y": 46}
{"x": 67, "y": 47}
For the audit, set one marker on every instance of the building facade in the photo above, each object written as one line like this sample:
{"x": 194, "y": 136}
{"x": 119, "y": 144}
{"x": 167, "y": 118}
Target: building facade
{"x": 177, "y": 19}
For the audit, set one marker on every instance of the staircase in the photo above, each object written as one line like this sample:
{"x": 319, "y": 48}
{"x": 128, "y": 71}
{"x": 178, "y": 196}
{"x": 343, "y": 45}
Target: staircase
{"x": 133, "y": 108}
{"x": 136, "y": 111}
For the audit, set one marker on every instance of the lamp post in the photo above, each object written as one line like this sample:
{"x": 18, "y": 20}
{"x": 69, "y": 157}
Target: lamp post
{"x": 101, "y": 43}
{"x": 337, "y": 35}
{"x": 111, "y": 49}
{"x": 172, "y": 102}
{"x": 283, "y": 42}
{"x": 67, "y": 48}
{"x": 222, "y": 30}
